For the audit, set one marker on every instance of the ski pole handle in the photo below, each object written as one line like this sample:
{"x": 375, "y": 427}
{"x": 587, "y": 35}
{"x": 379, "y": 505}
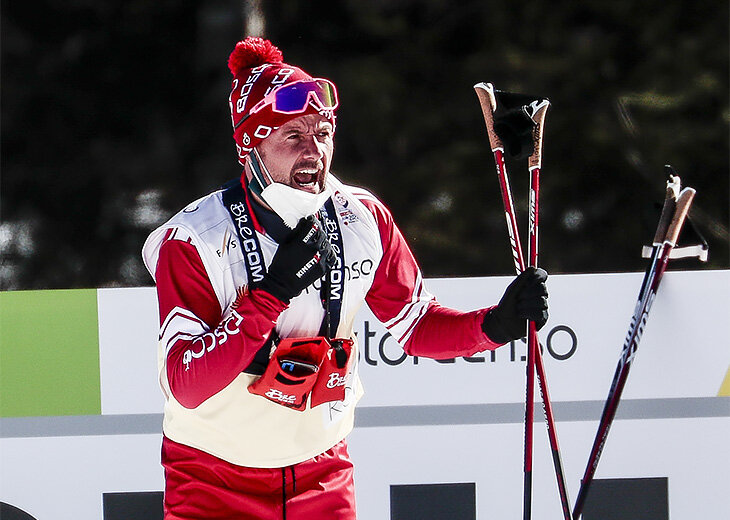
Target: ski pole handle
{"x": 539, "y": 109}
{"x": 488, "y": 102}
{"x": 684, "y": 201}
{"x": 670, "y": 203}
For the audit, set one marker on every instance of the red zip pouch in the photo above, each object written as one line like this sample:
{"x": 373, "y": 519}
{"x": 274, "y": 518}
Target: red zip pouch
{"x": 300, "y": 366}
{"x": 292, "y": 371}
{"x": 332, "y": 377}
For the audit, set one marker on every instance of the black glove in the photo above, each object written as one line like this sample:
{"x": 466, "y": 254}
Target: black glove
{"x": 524, "y": 299}
{"x": 302, "y": 258}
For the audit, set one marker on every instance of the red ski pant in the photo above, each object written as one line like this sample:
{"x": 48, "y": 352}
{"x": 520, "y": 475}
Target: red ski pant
{"x": 200, "y": 486}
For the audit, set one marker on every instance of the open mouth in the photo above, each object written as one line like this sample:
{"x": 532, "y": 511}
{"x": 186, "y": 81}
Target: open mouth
{"x": 306, "y": 179}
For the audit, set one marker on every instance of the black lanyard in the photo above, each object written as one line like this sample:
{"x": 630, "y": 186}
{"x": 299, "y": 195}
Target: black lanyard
{"x": 234, "y": 199}
{"x": 333, "y": 284}
{"x": 237, "y": 205}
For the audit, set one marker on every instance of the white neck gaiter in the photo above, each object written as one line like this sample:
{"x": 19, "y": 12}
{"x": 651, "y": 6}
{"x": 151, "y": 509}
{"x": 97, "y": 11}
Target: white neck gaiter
{"x": 292, "y": 204}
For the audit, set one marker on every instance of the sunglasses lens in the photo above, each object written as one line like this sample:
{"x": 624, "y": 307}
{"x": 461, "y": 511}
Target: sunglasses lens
{"x": 326, "y": 94}
{"x": 294, "y": 98}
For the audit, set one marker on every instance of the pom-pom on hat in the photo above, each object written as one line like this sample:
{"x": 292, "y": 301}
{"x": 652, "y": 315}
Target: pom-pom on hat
{"x": 258, "y": 68}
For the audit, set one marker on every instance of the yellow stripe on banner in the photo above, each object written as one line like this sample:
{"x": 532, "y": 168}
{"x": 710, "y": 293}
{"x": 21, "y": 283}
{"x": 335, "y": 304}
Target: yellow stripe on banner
{"x": 725, "y": 386}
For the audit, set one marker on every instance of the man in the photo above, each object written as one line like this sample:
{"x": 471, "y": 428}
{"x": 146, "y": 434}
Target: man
{"x": 257, "y": 301}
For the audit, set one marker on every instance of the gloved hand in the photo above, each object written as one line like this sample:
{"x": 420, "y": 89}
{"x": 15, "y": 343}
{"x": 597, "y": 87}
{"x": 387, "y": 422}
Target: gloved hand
{"x": 524, "y": 299}
{"x": 302, "y": 258}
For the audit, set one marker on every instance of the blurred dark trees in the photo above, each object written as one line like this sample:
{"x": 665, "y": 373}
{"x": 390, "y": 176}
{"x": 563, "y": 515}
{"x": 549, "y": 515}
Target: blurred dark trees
{"x": 115, "y": 115}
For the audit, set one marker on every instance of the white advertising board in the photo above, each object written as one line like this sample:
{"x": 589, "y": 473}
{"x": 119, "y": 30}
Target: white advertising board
{"x": 427, "y": 422}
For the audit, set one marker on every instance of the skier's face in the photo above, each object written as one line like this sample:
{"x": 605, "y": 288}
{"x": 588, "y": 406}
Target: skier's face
{"x": 299, "y": 152}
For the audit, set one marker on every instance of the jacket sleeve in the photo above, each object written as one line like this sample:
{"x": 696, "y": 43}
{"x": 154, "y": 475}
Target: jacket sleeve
{"x": 400, "y": 301}
{"x": 205, "y": 350}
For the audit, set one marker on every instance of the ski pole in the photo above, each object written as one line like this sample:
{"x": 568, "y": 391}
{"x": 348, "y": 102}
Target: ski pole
{"x": 535, "y": 164}
{"x": 674, "y": 213}
{"x": 536, "y": 111}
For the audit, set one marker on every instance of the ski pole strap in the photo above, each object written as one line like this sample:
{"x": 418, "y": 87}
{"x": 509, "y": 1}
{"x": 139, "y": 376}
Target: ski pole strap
{"x": 515, "y": 122}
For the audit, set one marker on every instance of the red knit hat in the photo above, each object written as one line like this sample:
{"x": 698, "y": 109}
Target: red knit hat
{"x": 258, "y": 68}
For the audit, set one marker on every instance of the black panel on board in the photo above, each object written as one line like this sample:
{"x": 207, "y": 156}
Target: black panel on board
{"x": 8, "y": 512}
{"x": 143, "y": 505}
{"x": 628, "y": 499}
{"x": 433, "y": 502}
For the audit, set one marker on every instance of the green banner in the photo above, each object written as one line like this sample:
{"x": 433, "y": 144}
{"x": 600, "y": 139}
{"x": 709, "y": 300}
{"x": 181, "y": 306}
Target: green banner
{"x": 49, "y": 353}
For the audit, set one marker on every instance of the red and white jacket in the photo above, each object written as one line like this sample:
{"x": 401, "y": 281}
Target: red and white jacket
{"x": 210, "y": 328}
